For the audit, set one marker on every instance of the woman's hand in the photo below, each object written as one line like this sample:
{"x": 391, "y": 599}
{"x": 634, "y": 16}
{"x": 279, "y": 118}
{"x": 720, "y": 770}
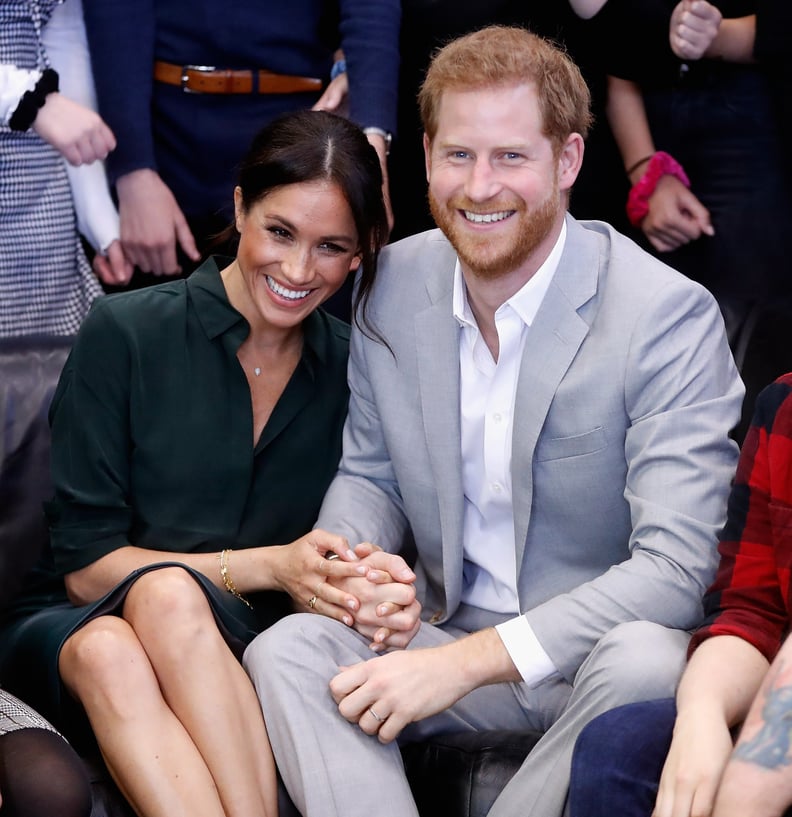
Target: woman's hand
{"x": 389, "y": 614}
{"x": 76, "y": 132}
{"x": 113, "y": 267}
{"x": 675, "y": 216}
{"x": 302, "y": 569}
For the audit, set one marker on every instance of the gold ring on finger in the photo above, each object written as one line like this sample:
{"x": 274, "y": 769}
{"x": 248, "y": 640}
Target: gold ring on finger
{"x": 312, "y": 601}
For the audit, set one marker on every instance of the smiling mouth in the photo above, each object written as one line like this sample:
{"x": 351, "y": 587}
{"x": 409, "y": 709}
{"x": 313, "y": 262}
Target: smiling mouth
{"x": 291, "y": 294}
{"x": 487, "y": 218}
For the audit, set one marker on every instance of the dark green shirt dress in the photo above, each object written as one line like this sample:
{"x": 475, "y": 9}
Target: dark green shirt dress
{"x": 152, "y": 445}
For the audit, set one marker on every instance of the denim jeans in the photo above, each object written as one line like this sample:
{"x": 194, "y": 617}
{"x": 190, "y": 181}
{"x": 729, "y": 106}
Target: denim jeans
{"x": 618, "y": 758}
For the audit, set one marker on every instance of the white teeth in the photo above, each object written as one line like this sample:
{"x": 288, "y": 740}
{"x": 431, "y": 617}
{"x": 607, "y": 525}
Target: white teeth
{"x": 486, "y": 218}
{"x": 292, "y": 294}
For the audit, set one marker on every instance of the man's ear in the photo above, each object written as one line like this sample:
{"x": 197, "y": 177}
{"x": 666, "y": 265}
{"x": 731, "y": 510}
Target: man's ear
{"x": 427, "y": 145}
{"x": 570, "y": 160}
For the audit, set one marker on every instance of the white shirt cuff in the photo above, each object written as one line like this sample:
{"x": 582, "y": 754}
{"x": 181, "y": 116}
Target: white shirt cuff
{"x": 532, "y": 662}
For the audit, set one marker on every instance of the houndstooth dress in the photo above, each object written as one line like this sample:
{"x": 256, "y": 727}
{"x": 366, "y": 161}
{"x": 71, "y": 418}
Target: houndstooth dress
{"x": 46, "y": 282}
{"x": 14, "y": 714}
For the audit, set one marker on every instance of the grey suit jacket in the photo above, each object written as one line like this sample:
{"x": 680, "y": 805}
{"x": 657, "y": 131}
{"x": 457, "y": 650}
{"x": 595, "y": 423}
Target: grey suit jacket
{"x": 621, "y": 462}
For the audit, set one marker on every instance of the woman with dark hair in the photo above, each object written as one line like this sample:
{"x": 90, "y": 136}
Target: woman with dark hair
{"x": 193, "y": 418}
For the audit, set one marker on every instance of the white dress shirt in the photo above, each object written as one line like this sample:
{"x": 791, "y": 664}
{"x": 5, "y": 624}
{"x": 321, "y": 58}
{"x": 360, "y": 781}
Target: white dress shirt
{"x": 487, "y": 395}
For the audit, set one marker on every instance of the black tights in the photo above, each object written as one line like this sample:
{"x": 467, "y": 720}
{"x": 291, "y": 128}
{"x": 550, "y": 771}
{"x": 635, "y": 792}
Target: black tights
{"x": 41, "y": 776}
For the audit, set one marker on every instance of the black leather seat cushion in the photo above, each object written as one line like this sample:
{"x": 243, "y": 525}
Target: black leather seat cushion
{"x": 460, "y": 775}
{"x": 29, "y": 371}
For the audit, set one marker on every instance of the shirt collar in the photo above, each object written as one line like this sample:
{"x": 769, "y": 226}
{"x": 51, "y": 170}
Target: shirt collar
{"x": 217, "y": 316}
{"x": 207, "y": 292}
{"x": 526, "y": 301}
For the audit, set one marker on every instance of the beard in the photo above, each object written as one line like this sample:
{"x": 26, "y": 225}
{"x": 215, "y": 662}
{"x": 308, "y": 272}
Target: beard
{"x": 492, "y": 257}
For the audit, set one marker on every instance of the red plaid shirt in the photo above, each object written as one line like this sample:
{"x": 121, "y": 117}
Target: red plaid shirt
{"x": 750, "y": 597}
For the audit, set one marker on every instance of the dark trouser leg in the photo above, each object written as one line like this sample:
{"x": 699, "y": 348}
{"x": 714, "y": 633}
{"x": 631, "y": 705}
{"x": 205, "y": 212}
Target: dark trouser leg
{"x": 618, "y": 759}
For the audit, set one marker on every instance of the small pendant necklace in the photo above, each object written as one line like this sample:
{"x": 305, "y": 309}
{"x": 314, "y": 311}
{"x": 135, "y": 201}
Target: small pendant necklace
{"x": 257, "y": 371}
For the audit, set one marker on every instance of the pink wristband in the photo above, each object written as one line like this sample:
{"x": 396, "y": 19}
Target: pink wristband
{"x": 661, "y": 164}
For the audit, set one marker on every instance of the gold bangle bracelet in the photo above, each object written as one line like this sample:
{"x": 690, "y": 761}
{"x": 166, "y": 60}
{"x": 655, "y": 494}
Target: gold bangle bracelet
{"x": 228, "y": 582}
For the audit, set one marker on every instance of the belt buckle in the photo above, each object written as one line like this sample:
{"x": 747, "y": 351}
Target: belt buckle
{"x": 185, "y": 79}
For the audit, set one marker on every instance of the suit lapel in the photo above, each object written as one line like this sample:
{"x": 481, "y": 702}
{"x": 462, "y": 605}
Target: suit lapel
{"x": 551, "y": 345}
{"x": 437, "y": 338}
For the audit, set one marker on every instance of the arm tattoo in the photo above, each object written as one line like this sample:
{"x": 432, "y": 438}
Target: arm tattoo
{"x": 770, "y": 746}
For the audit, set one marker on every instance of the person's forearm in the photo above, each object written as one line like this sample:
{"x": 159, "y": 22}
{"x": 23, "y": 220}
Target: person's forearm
{"x": 722, "y": 678}
{"x": 735, "y": 40}
{"x": 756, "y": 780}
{"x": 66, "y": 44}
{"x": 97, "y": 217}
{"x": 251, "y": 569}
{"x": 121, "y": 37}
{"x": 370, "y": 42}
{"x": 629, "y": 125}
{"x": 482, "y": 659}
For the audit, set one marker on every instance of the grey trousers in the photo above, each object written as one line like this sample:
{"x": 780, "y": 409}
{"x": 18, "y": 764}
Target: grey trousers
{"x": 331, "y": 768}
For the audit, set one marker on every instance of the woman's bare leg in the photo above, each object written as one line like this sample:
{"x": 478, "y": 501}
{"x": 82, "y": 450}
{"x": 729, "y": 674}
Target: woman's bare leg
{"x": 206, "y": 687}
{"x": 147, "y": 750}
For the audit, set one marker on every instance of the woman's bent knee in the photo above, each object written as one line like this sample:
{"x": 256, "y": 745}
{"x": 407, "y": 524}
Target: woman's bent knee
{"x": 166, "y": 594}
{"x": 101, "y": 652}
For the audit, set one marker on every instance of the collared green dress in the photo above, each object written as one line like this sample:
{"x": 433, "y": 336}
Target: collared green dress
{"x": 152, "y": 445}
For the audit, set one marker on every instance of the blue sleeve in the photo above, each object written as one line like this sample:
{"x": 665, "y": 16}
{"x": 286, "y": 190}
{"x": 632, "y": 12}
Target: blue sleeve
{"x": 370, "y": 41}
{"x": 121, "y": 37}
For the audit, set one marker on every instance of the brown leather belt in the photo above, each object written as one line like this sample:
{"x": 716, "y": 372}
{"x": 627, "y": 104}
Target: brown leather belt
{"x": 206, "y": 79}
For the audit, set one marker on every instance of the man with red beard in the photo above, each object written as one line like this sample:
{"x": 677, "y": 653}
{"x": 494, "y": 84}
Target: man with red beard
{"x": 543, "y": 409}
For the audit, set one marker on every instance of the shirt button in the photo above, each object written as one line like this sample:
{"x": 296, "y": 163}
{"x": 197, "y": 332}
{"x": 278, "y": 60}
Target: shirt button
{"x": 497, "y": 417}
{"x": 496, "y": 487}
